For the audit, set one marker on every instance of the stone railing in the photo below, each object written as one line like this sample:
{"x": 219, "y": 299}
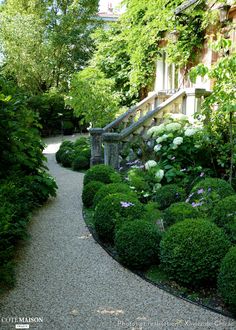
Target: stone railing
{"x": 137, "y": 120}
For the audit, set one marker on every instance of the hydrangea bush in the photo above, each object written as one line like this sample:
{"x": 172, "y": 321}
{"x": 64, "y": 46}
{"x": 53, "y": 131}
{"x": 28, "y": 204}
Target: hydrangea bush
{"x": 179, "y": 148}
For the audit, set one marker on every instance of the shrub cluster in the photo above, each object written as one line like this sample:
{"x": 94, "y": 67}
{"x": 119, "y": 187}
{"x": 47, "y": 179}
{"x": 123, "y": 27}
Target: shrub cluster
{"x": 227, "y": 279}
{"x": 114, "y": 210}
{"x": 137, "y": 244}
{"x": 102, "y": 173}
{"x": 89, "y": 191}
{"x": 109, "y": 189}
{"x": 169, "y": 194}
{"x": 177, "y": 212}
{"x": 190, "y": 253}
{"x": 75, "y": 155}
{"x": 224, "y": 215}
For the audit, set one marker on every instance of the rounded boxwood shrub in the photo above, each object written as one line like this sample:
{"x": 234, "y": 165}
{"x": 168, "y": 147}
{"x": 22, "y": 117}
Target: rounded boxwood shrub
{"x": 80, "y": 163}
{"x": 89, "y": 192}
{"x": 109, "y": 189}
{"x": 112, "y": 211}
{"x": 177, "y": 212}
{"x": 169, "y": 194}
{"x": 206, "y": 193}
{"x": 224, "y": 215}
{"x": 67, "y": 158}
{"x": 227, "y": 279}
{"x": 103, "y": 173}
{"x": 191, "y": 251}
{"x": 137, "y": 244}
{"x": 152, "y": 213}
{"x": 81, "y": 142}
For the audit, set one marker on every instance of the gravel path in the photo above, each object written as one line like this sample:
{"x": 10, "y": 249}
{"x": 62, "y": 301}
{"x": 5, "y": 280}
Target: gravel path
{"x": 67, "y": 281}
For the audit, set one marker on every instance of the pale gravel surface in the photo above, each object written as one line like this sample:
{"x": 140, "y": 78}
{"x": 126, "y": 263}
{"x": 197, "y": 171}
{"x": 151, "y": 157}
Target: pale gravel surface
{"x": 66, "y": 278}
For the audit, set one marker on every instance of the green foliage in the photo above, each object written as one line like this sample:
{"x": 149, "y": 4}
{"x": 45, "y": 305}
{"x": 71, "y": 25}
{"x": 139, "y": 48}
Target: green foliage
{"x": 109, "y": 189}
{"x": 67, "y": 157}
{"x": 89, "y": 191}
{"x": 92, "y": 96}
{"x": 224, "y": 215}
{"x": 227, "y": 279}
{"x": 178, "y": 212}
{"x": 190, "y": 253}
{"x": 152, "y": 213}
{"x": 102, "y": 173}
{"x": 113, "y": 210}
{"x": 208, "y": 192}
{"x": 169, "y": 194}
{"x": 80, "y": 163}
{"x": 45, "y": 42}
{"x": 137, "y": 244}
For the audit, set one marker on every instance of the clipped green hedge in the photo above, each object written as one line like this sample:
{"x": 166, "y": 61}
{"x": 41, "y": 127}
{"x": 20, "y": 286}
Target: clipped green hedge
{"x": 224, "y": 215}
{"x": 80, "y": 163}
{"x": 191, "y": 251}
{"x": 169, "y": 194}
{"x": 137, "y": 244}
{"x": 103, "y": 173}
{"x": 114, "y": 210}
{"x": 227, "y": 279}
{"x": 89, "y": 191}
{"x": 109, "y": 189}
{"x": 177, "y": 212}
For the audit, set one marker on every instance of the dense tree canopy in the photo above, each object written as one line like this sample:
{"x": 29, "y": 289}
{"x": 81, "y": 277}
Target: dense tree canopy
{"x": 44, "y": 42}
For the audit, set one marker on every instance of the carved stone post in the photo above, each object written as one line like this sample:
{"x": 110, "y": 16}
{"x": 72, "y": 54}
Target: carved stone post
{"x": 96, "y": 146}
{"x": 111, "y": 149}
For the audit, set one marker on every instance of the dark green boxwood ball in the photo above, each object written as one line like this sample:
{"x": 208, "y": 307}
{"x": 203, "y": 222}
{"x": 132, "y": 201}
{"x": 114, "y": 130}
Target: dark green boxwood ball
{"x": 67, "y": 145}
{"x": 177, "y": 212}
{"x": 208, "y": 192}
{"x": 82, "y": 142}
{"x": 112, "y": 211}
{"x": 169, "y": 194}
{"x": 89, "y": 192}
{"x": 191, "y": 251}
{"x": 224, "y": 215}
{"x": 67, "y": 158}
{"x": 137, "y": 244}
{"x": 103, "y": 173}
{"x": 80, "y": 163}
{"x": 226, "y": 283}
{"x": 109, "y": 189}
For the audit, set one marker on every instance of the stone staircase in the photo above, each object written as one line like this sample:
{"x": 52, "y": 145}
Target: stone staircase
{"x": 109, "y": 142}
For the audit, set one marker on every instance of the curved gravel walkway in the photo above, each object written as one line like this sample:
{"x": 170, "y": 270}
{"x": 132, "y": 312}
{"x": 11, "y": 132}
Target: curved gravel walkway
{"x": 67, "y": 281}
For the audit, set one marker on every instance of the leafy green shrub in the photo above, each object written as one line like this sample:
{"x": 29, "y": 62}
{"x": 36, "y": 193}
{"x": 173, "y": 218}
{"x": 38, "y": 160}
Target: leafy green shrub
{"x": 191, "y": 251}
{"x": 80, "y": 163}
{"x": 81, "y": 142}
{"x": 89, "y": 191}
{"x": 109, "y": 189}
{"x": 112, "y": 211}
{"x": 206, "y": 193}
{"x": 169, "y": 194}
{"x": 177, "y": 212}
{"x": 224, "y": 215}
{"x": 152, "y": 213}
{"x": 103, "y": 173}
{"x": 137, "y": 244}
{"x": 67, "y": 145}
{"x": 227, "y": 279}
{"x": 67, "y": 158}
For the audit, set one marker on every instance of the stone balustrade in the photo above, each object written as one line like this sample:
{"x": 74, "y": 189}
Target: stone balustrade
{"x": 137, "y": 120}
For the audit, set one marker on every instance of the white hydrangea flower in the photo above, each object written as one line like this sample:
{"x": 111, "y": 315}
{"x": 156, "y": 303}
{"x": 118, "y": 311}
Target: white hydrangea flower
{"x": 162, "y": 138}
{"x": 156, "y": 187}
{"x": 190, "y": 131}
{"x": 149, "y": 164}
{"x": 178, "y": 140}
{"x": 156, "y": 130}
{"x": 173, "y": 127}
{"x": 151, "y": 131}
{"x": 178, "y": 116}
{"x": 159, "y": 175}
{"x": 157, "y": 147}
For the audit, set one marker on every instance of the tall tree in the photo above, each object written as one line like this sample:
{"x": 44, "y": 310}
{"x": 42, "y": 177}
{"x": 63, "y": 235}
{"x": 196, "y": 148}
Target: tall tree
{"x": 45, "y": 41}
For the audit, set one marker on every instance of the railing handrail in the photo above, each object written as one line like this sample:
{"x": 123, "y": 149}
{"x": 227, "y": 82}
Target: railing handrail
{"x": 127, "y": 131}
{"x": 130, "y": 111}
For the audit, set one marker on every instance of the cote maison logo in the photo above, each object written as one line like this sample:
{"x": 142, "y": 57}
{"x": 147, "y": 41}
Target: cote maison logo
{"x": 20, "y": 322}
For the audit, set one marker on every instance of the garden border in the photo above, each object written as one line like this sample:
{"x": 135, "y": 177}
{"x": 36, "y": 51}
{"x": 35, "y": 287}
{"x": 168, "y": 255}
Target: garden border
{"x": 140, "y": 274}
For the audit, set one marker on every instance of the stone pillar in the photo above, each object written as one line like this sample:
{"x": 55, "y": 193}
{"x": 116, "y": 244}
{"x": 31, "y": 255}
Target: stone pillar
{"x": 111, "y": 149}
{"x": 193, "y": 100}
{"x": 96, "y": 146}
